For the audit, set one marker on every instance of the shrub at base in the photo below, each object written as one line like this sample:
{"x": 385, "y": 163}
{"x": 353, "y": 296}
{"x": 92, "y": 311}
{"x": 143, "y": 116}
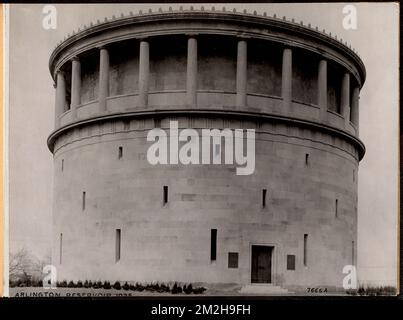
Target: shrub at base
{"x": 117, "y": 286}
{"x": 107, "y": 285}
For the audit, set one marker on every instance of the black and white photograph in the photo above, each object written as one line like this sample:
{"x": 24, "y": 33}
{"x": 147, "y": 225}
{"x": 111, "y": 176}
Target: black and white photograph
{"x": 218, "y": 149}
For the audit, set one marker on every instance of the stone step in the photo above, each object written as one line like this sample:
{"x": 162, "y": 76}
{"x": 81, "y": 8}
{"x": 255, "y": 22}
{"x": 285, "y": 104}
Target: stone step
{"x": 263, "y": 289}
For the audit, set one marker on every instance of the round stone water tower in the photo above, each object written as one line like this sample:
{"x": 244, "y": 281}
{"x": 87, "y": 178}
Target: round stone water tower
{"x": 291, "y": 223}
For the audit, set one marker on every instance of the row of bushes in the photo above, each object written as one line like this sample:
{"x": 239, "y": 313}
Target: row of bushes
{"x": 160, "y": 288}
{"x": 26, "y": 283}
{"x": 373, "y": 291}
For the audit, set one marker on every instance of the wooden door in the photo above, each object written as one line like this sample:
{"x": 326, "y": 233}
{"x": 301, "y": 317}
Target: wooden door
{"x": 261, "y": 264}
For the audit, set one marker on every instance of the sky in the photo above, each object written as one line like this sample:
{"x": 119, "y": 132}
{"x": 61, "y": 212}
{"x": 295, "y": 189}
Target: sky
{"x": 31, "y": 117}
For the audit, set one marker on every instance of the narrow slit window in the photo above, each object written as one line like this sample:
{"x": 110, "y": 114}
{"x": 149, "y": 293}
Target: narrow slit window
{"x": 165, "y": 196}
{"x": 306, "y": 159}
{"x": 353, "y": 175}
{"x": 62, "y": 165}
{"x": 305, "y": 250}
{"x": 120, "y": 153}
{"x": 61, "y": 248}
{"x": 117, "y": 245}
{"x": 213, "y": 250}
{"x": 83, "y": 200}
{"x": 264, "y": 194}
{"x": 336, "y": 207}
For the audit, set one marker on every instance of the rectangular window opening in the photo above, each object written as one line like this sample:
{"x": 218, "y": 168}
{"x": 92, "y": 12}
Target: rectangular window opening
{"x": 120, "y": 153}
{"x": 165, "y": 197}
{"x": 117, "y": 244}
{"x": 84, "y": 194}
{"x": 305, "y": 250}
{"x": 337, "y": 207}
{"x": 290, "y": 262}
{"x": 307, "y": 159}
{"x": 233, "y": 260}
{"x": 353, "y": 175}
{"x": 213, "y": 250}
{"x": 264, "y": 193}
{"x": 62, "y": 165}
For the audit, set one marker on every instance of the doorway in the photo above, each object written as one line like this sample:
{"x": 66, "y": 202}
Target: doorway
{"x": 261, "y": 264}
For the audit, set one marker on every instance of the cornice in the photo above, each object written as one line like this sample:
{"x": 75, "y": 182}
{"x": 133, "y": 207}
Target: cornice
{"x": 209, "y": 112}
{"x": 267, "y": 26}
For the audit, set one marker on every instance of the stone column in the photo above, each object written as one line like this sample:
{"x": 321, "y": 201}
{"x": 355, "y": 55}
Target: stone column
{"x": 345, "y": 98}
{"x": 103, "y": 89}
{"x": 241, "y": 74}
{"x": 355, "y": 107}
{"x": 191, "y": 79}
{"x": 286, "y": 80}
{"x": 75, "y": 86}
{"x": 144, "y": 73}
{"x": 322, "y": 88}
{"x": 60, "y": 97}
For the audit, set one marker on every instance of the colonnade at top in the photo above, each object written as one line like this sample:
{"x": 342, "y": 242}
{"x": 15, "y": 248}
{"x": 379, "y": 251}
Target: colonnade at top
{"x": 348, "y": 107}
